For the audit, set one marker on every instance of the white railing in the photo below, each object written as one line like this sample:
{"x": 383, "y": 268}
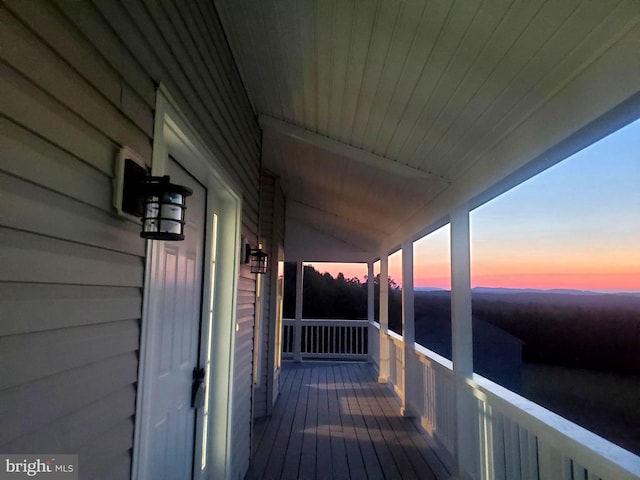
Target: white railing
{"x": 514, "y": 437}
{"x": 330, "y": 339}
{"x": 395, "y": 362}
{"x": 434, "y": 400}
{"x": 374, "y": 343}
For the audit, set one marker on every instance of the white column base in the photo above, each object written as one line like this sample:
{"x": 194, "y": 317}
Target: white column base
{"x": 406, "y": 412}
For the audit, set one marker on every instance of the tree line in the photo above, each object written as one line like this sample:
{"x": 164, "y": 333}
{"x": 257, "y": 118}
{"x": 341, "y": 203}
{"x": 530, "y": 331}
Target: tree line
{"x": 337, "y": 298}
{"x": 555, "y": 329}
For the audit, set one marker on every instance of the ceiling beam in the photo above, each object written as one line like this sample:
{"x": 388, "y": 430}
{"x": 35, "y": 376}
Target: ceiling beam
{"x": 346, "y": 151}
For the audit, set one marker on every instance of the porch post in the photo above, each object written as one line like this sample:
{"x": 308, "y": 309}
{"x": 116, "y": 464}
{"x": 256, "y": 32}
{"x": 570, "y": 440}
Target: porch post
{"x": 466, "y": 450}
{"x": 383, "y": 368}
{"x": 370, "y": 307}
{"x": 408, "y": 327}
{"x": 297, "y": 335}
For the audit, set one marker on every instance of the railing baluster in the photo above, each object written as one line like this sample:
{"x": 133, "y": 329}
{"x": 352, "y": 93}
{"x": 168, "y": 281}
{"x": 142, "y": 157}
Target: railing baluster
{"x": 351, "y": 343}
{"x": 306, "y": 338}
{"x": 334, "y": 335}
{"x": 331, "y": 338}
{"x": 346, "y": 341}
{"x": 335, "y": 347}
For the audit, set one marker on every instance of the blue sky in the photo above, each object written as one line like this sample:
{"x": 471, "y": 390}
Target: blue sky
{"x": 575, "y": 225}
{"x": 580, "y": 220}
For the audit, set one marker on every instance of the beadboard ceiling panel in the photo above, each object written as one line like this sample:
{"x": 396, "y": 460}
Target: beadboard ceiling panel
{"x": 381, "y": 116}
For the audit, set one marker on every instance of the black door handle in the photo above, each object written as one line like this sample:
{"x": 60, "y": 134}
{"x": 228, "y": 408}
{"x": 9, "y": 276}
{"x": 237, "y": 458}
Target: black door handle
{"x": 198, "y": 388}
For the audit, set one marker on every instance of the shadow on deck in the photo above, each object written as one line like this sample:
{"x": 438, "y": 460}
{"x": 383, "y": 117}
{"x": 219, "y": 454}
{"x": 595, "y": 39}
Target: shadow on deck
{"x": 335, "y": 421}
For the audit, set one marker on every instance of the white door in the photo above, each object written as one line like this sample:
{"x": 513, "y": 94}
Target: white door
{"x": 175, "y": 341}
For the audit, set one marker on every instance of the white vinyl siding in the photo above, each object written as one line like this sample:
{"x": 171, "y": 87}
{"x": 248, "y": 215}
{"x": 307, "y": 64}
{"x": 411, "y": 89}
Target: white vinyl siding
{"x": 272, "y": 211}
{"x": 77, "y": 82}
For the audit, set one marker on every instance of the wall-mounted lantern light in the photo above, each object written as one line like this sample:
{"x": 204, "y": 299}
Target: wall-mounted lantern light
{"x": 160, "y": 203}
{"x": 164, "y": 207}
{"x": 258, "y": 260}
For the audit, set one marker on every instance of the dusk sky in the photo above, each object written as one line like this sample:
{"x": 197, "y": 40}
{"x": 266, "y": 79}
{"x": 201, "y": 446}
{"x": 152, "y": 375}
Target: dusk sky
{"x": 576, "y": 225}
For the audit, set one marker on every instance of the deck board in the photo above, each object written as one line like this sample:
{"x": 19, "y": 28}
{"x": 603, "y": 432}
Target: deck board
{"x": 280, "y": 443}
{"x": 264, "y": 451}
{"x": 294, "y": 448}
{"x": 339, "y": 457}
{"x": 309, "y": 438}
{"x": 363, "y": 436}
{"x": 334, "y": 420}
{"x": 323, "y": 432}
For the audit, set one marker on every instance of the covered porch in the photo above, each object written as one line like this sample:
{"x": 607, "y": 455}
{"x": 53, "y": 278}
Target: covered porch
{"x": 384, "y": 121}
{"x": 394, "y": 410}
{"x": 334, "y": 420}
{"x": 337, "y": 131}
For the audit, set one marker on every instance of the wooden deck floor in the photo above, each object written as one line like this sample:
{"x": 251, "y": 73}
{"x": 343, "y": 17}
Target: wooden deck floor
{"x": 335, "y": 421}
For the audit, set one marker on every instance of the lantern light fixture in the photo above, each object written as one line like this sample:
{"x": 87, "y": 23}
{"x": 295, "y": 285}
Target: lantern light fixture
{"x": 257, "y": 258}
{"x": 164, "y": 209}
{"x": 160, "y": 203}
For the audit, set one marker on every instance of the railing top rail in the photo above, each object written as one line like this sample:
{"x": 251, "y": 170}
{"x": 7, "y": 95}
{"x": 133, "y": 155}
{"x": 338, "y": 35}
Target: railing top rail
{"x": 600, "y": 457}
{"x": 592, "y": 451}
{"x": 328, "y": 322}
{"x": 433, "y": 356}
{"x": 394, "y": 336}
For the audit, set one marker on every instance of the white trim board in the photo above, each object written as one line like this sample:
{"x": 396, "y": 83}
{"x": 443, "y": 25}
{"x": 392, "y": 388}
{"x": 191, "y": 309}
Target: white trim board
{"x": 174, "y": 135}
{"x": 347, "y": 151}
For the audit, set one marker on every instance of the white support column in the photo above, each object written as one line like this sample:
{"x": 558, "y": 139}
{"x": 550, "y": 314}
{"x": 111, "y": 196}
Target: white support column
{"x": 297, "y": 329}
{"x": 370, "y": 307}
{"x": 408, "y": 327}
{"x": 466, "y": 451}
{"x": 383, "y": 368}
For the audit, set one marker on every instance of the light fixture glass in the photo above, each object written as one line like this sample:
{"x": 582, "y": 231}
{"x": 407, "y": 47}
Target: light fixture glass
{"x": 164, "y": 209}
{"x": 258, "y": 260}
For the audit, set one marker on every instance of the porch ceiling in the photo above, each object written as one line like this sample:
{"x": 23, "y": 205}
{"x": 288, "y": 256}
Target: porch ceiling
{"x": 382, "y": 116}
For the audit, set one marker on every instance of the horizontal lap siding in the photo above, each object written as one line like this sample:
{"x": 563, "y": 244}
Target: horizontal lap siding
{"x": 266, "y": 220}
{"x": 279, "y": 208}
{"x": 272, "y": 228}
{"x": 242, "y": 385}
{"x": 78, "y": 81}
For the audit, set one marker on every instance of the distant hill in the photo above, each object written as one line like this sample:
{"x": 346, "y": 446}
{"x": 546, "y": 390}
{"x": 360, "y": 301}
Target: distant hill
{"x": 593, "y": 300}
{"x": 600, "y": 331}
{"x": 563, "y": 291}
{"x": 507, "y": 291}
{"x": 500, "y": 290}
{"x": 559, "y": 297}
{"x": 429, "y": 289}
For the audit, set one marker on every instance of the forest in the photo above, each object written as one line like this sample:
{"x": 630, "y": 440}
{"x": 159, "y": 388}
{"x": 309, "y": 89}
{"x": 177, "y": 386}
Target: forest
{"x": 337, "y": 298}
{"x": 571, "y": 342}
{"x": 324, "y": 296}
{"x": 592, "y": 331}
